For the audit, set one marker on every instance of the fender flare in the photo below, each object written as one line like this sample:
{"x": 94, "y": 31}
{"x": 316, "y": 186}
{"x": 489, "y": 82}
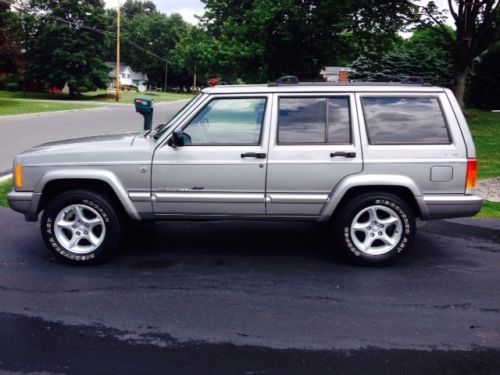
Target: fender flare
{"x": 91, "y": 174}
{"x": 354, "y": 181}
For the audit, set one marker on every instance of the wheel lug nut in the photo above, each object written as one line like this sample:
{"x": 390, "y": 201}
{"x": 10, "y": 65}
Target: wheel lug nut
{"x": 379, "y": 233}
{"x": 381, "y": 225}
{"x": 74, "y": 226}
{"x": 87, "y": 225}
{"x": 77, "y": 233}
{"x": 369, "y": 228}
{"x": 374, "y": 222}
{"x": 372, "y": 234}
{"x": 86, "y": 232}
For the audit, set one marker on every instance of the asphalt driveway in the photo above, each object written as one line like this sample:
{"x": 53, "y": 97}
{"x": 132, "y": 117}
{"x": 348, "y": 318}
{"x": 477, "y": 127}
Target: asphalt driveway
{"x": 252, "y": 298}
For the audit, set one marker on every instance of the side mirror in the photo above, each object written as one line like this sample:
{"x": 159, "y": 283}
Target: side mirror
{"x": 177, "y": 139}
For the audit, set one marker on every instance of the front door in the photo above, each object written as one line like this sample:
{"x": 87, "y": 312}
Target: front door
{"x": 221, "y": 169}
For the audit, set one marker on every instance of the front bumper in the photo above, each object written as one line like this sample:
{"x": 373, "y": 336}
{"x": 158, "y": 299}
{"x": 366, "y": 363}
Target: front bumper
{"x": 438, "y": 206}
{"x": 25, "y": 203}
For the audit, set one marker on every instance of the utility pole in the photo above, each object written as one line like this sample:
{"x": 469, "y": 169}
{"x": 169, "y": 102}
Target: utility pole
{"x": 194, "y": 80}
{"x": 166, "y": 73}
{"x": 117, "y": 68}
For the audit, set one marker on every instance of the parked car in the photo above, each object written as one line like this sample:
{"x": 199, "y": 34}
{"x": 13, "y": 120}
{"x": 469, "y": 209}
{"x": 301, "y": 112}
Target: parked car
{"x": 367, "y": 158}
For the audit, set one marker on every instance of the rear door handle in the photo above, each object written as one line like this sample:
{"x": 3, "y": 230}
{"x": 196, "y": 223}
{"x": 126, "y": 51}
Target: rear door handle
{"x": 343, "y": 154}
{"x": 256, "y": 155}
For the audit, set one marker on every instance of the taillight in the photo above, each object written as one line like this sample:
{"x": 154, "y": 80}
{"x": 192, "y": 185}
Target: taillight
{"x": 471, "y": 178}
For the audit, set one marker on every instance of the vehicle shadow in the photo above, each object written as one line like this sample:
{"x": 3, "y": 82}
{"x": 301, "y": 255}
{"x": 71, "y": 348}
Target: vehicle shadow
{"x": 232, "y": 238}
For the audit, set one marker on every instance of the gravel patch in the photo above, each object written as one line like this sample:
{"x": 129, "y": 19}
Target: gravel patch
{"x": 489, "y": 189}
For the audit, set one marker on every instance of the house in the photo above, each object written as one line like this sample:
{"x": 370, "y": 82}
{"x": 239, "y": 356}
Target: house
{"x": 128, "y": 78}
{"x": 335, "y": 73}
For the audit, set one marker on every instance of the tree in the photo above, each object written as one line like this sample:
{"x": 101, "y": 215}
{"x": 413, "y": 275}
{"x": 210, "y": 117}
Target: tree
{"x": 10, "y": 51}
{"x": 477, "y": 28}
{"x": 65, "y": 48}
{"x": 132, "y": 8}
{"x": 427, "y": 54}
{"x": 259, "y": 40}
{"x": 157, "y": 33}
{"x": 483, "y": 90}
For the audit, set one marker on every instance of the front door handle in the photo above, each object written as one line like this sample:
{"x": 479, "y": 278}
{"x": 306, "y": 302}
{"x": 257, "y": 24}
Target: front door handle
{"x": 343, "y": 154}
{"x": 256, "y": 155}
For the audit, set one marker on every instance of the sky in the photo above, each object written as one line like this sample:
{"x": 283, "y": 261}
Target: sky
{"x": 186, "y": 8}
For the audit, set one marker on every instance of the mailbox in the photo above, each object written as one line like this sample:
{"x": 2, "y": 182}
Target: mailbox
{"x": 144, "y": 106}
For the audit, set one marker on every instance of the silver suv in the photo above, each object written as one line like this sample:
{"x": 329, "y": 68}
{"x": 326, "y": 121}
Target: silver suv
{"x": 369, "y": 159}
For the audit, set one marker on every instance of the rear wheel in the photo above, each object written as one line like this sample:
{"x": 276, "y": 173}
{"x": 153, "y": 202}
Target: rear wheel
{"x": 375, "y": 229}
{"x": 81, "y": 227}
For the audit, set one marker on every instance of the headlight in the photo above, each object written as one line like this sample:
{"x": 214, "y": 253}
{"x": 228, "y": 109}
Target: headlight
{"x": 18, "y": 177}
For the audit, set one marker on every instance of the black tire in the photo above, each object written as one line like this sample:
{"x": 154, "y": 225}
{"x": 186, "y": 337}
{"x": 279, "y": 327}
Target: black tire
{"x": 385, "y": 202}
{"x": 92, "y": 202}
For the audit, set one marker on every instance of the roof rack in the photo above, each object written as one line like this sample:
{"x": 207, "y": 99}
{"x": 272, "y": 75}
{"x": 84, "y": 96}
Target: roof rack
{"x": 285, "y": 80}
{"x": 293, "y": 80}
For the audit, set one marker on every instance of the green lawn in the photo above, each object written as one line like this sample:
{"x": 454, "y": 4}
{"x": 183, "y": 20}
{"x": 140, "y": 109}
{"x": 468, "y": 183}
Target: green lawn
{"x": 18, "y": 107}
{"x": 489, "y": 210}
{"x": 5, "y": 187}
{"x": 100, "y": 95}
{"x": 485, "y": 128}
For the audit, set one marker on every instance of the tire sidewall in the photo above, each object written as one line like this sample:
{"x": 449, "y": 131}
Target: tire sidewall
{"x": 399, "y": 207}
{"x": 91, "y": 200}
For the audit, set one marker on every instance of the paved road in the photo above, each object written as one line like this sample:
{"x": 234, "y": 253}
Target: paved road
{"x": 18, "y": 133}
{"x": 252, "y": 298}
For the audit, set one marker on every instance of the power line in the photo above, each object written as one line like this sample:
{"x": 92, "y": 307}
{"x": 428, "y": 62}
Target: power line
{"x": 80, "y": 25}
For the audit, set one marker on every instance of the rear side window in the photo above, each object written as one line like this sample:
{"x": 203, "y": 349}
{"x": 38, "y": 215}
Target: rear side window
{"x": 314, "y": 120}
{"x": 404, "y": 120}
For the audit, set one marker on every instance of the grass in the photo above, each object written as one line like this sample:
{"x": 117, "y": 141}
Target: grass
{"x": 5, "y": 187}
{"x": 100, "y": 95}
{"x": 490, "y": 210}
{"x": 19, "y": 107}
{"x": 485, "y": 128}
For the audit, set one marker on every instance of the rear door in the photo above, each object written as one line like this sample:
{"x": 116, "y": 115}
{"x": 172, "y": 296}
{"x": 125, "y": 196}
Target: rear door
{"x": 314, "y": 144}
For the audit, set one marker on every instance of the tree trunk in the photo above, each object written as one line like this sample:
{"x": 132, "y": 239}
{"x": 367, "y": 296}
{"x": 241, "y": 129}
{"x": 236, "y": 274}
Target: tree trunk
{"x": 461, "y": 74}
{"x": 72, "y": 92}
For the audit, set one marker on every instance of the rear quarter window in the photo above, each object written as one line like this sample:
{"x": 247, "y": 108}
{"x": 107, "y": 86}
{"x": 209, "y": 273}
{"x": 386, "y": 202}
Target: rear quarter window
{"x": 404, "y": 120}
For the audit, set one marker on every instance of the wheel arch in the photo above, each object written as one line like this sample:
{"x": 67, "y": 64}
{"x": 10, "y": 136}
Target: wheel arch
{"x": 349, "y": 188}
{"x": 56, "y": 182}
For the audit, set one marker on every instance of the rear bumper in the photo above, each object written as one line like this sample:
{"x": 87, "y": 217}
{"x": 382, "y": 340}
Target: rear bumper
{"x": 25, "y": 203}
{"x": 448, "y": 206}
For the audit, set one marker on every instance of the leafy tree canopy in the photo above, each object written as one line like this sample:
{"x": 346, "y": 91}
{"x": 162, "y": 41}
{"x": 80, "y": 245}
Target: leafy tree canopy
{"x": 62, "y": 49}
{"x": 157, "y": 33}
{"x": 258, "y": 39}
{"x": 427, "y": 54}
{"x": 132, "y": 8}
{"x": 10, "y": 51}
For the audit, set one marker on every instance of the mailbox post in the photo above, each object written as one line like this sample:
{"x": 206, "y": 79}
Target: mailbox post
{"x": 144, "y": 106}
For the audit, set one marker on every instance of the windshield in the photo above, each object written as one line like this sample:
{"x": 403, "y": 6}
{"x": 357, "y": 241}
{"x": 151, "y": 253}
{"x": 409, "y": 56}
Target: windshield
{"x": 164, "y": 127}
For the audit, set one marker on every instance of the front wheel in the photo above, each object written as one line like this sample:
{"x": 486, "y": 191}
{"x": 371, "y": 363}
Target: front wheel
{"x": 375, "y": 229}
{"x": 81, "y": 227}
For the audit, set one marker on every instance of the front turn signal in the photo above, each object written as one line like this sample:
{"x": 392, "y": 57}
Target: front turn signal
{"x": 471, "y": 179}
{"x": 18, "y": 180}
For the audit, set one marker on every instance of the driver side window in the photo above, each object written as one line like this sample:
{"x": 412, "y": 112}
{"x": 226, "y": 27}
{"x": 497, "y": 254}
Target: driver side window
{"x": 227, "y": 121}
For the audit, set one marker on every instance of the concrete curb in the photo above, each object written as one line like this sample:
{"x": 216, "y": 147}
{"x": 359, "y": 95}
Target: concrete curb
{"x": 5, "y": 177}
{"x": 52, "y": 112}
